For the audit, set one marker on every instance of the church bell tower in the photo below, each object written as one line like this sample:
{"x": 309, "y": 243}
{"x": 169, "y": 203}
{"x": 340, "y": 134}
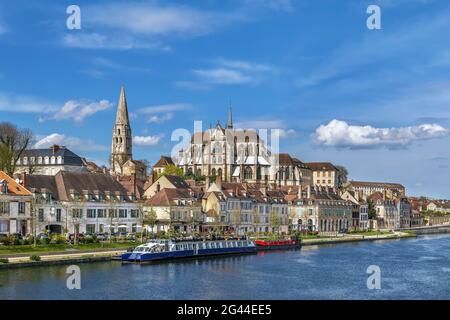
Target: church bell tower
{"x": 121, "y": 150}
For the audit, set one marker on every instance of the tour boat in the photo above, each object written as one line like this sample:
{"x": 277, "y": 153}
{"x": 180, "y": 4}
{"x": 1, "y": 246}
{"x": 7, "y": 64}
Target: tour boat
{"x": 277, "y": 244}
{"x": 170, "y": 249}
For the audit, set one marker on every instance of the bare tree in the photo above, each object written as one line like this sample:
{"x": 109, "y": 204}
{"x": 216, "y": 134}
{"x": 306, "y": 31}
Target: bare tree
{"x": 13, "y": 142}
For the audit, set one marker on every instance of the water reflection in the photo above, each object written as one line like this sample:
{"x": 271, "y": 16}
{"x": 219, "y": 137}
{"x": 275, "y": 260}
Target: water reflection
{"x": 411, "y": 269}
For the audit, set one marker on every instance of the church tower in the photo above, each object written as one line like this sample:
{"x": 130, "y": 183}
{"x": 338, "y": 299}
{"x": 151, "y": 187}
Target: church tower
{"x": 121, "y": 150}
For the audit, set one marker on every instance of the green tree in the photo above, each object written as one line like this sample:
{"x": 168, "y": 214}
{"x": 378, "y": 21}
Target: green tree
{"x": 150, "y": 218}
{"x": 172, "y": 170}
{"x": 275, "y": 221}
{"x": 372, "y": 212}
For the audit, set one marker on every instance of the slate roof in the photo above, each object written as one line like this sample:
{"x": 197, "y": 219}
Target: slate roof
{"x": 69, "y": 157}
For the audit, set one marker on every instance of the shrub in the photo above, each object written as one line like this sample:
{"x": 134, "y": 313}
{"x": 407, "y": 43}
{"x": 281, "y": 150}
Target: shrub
{"x": 35, "y": 258}
{"x": 44, "y": 241}
{"x": 4, "y": 260}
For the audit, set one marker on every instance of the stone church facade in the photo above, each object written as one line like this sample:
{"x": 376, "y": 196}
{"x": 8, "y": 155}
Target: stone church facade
{"x": 239, "y": 155}
{"x": 121, "y": 159}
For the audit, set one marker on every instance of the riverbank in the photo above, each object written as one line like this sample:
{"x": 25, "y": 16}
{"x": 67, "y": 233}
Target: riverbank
{"x": 21, "y": 260}
{"x": 356, "y": 238}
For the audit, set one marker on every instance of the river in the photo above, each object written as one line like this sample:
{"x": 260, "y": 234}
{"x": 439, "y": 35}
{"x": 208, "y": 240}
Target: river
{"x": 417, "y": 268}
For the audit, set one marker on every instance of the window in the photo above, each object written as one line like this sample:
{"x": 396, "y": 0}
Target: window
{"x": 90, "y": 228}
{"x": 134, "y": 213}
{"x": 21, "y": 207}
{"x": 52, "y": 160}
{"x": 59, "y": 160}
{"x": 4, "y": 207}
{"x": 112, "y": 213}
{"x": 90, "y": 213}
{"x": 77, "y": 213}
{"x": 122, "y": 213}
{"x": 58, "y": 215}
{"x": 41, "y": 215}
{"x": 101, "y": 213}
{"x": 25, "y": 161}
{"x": 46, "y": 160}
{"x": 39, "y": 160}
{"x": 134, "y": 227}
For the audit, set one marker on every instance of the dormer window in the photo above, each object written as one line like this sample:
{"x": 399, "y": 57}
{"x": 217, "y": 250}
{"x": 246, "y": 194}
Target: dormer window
{"x": 59, "y": 160}
{"x": 25, "y": 161}
{"x": 4, "y": 187}
{"x": 39, "y": 160}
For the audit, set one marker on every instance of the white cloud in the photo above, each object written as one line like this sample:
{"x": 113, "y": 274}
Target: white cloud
{"x": 232, "y": 72}
{"x": 160, "y": 118}
{"x": 147, "y": 140}
{"x": 134, "y": 25}
{"x": 23, "y": 103}
{"x": 223, "y": 76}
{"x": 78, "y": 110}
{"x": 165, "y": 108}
{"x": 164, "y": 112}
{"x": 340, "y": 134}
{"x": 114, "y": 42}
{"x": 73, "y": 143}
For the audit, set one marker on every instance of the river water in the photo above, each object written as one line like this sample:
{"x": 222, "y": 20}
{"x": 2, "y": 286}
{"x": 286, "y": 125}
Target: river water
{"x": 416, "y": 268}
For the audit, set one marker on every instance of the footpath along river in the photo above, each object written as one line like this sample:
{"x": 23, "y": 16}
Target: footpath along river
{"x": 415, "y": 268}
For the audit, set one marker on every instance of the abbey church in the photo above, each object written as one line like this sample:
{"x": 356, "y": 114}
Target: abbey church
{"x": 121, "y": 159}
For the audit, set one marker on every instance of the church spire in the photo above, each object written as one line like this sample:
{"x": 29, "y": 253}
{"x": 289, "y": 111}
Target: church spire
{"x": 230, "y": 117}
{"x": 122, "y": 109}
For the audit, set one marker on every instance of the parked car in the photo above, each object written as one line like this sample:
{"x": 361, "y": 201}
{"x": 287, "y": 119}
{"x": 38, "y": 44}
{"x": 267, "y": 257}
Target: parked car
{"x": 101, "y": 236}
{"x": 80, "y": 237}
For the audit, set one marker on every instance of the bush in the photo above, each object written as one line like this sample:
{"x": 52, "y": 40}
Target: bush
{"x": 35, "y": 258}
{"x": 44, "y": 241}
{"x": 4, "y": 260}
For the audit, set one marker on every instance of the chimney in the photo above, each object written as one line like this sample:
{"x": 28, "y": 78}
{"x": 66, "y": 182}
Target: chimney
{"x": 54, "y": 148}
{"x": 308, "y": 192}
{"x": 24, "y": 179}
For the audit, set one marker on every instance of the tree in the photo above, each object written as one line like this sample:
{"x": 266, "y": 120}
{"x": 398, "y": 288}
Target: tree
{"x": 150, "y": 218}
{"x": 172, "y": 170}
{"x": 13, "y": 142}
{"x": 342, "y": 175}
{"x": 275, "y": 221}
{"x": 372, "y": 213}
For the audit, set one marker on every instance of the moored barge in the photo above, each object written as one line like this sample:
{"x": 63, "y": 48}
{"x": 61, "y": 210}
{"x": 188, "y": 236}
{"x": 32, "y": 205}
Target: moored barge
{"x": 262, "y": 245}
{"x": 169, "y": 249}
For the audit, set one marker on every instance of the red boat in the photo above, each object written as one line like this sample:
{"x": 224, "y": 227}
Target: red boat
{"x": 277, "y": 244}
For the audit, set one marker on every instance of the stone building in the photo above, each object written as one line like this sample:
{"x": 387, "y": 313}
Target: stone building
{"x": 240, "y": 155}
{"x": 320, "y": 209}
{"x": 324, "y": 174}
{"x": 49, "y": 161}
{"x": 83, "y": 202}
{"x": 174, "y": 209}
{"x": 367, "y": 188}
{"x": 121, "y": 159}
{"x": 15, "y": 207}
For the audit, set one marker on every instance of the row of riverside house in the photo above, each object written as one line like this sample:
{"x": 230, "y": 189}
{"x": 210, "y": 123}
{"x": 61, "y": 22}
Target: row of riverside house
{"x": 96, "y": 202}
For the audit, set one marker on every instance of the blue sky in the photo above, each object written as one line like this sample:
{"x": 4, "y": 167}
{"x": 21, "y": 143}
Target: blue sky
{"x": 375, "y": 101}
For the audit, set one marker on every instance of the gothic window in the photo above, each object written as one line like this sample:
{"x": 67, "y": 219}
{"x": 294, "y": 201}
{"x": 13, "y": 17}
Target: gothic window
{"x": 248, "y": 174}
{"x": 258, "y": 173}
{"x": 213, "y": 172}
{"x": 118, "y": 131}
{"x": 219, "y": 172}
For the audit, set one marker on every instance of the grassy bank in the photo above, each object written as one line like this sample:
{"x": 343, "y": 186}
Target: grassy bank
{"x": 41, "y": 249}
